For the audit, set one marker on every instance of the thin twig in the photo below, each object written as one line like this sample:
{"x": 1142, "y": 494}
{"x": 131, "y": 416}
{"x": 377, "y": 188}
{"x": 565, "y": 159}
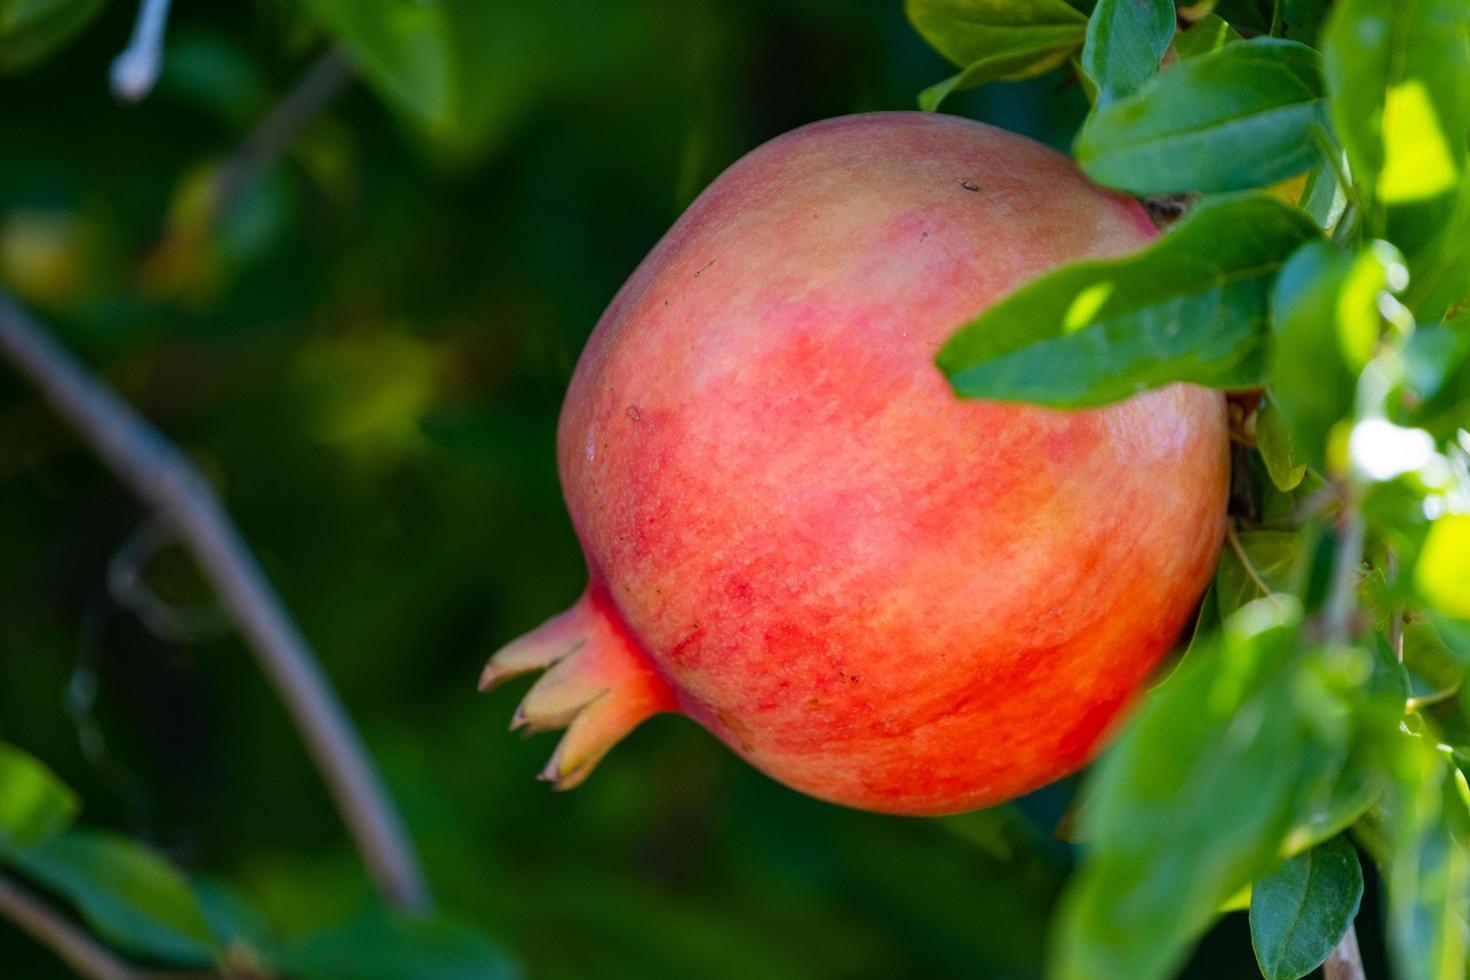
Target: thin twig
{"x": 1345, "y": 962}
{"x": 47, "y": 926}
{"x": 1245, "y": 559}
{"x": 1342, "y": 600}
{"x": 136, "y": 70}
{"x": 326, "y": 79}
{"x": 165, "y": 479}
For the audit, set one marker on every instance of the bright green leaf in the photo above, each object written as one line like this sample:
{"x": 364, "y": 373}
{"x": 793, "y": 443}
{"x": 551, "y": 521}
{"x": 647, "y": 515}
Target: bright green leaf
{"x": 1189, "y": 804}
{"x": 31, "y": 30}
{"x": 1300, "y": 910}
{"x": 1442, "y": 573}
{"x": 129, "y": 895}
{"x": 1210, "y": 33}
{"x": 1236, "y": 118}
{"x": 34, "y": 805}
{"x": 995, "y": 39}
{"x": 1125, "y": 41}
{"x": 1191, "y": 307}
{"x": 379, "y": 946}
{"x": 1284, "y": 464}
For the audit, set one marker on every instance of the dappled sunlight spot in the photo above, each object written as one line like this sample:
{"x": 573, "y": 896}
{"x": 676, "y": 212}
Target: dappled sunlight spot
{"x": 1086, "y": 305}
{"x": 1417, "y": 161}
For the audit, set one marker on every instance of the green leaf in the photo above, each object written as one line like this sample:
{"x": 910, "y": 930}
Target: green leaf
{"x": 995, "y": 39}
{"x": 31, "y": 30}
{"x": 1399, "y": 73}
{"x": 1232, "y": 119}
{"x": 1284, "y": 464}
{"x": 233, "y": 922}
{"x": 1125, "y": 41}
{"x": 1209, "y": 33}
{"x": 380, "y": 946}
{"x": 127, "y": 893}
{"x": 1191, "y": 307}
{"x": 403, "y": 48}
{"x": 1277, "y": 559}
{"x": 1302, "y": 909}
{"x": 35, "y": 806}
{"x": 1189, "y": 804}
{"x": 1442, "y": 573}
{"x": 1301, "y": 20}
{"x": 1325, "y": 326}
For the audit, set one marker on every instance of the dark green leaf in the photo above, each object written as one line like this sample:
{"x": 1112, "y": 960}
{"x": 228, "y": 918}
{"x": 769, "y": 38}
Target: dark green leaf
{"x": 995, "y": 39}
{"x": 1301, "y": 20}
{"x": 1209, "y": 33}
{"x": 34, "y": 805}
{"x": 1189, "y": 804}
{"x": 1236, "y": 118}
{"x": 1283, "y": 463}
{"x": 1191, "y": 307}
{"x": 1300, "y": 910}
{"x": 1325, "y": 326}
{"x": 1276, "y": 558}
{"x": 30, "y": 30}
{"x": 1125, "y": 41}
{"x": 128, "y": 894}
{"x": 233, "y": 922}
{"x": 379, "y": 946}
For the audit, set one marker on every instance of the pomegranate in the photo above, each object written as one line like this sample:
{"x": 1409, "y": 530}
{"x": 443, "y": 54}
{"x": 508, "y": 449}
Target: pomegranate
{"x": 796, "y": 535}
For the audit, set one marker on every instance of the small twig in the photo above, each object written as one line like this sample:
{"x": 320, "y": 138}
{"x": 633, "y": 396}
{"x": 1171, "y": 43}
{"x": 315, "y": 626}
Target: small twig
{"x": 136, "y": 70}
{"x": 1345, "y": 962}
{"x": 326, "y": 79}
{"x": 47, "y": 926}
{"x": 165, "y": 479}
{"x": 1245, "y": 559}
{"x": 1342, "y": 600}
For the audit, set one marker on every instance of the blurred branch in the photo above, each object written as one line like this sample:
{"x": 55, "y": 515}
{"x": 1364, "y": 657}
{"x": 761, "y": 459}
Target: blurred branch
{"x": 136, "y": 70}
{"x": 80, "y": 951}
{"x": 327, "y": 78}
{"x": 1345, "y": 962}
{"x": 165, "y": 479}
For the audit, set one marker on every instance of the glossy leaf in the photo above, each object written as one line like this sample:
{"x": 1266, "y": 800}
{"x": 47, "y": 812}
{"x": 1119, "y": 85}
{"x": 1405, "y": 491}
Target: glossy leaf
{"x": 1191, "y": 307}
{"x": 1235, "y": 118}
{"x": 129, "y": 895}
{"x": 1284, "y": 464}
{"x": 1189, "y": 804}
{"x": 1325, "y": 323}
{"x": 31, "y": 30}
{"x": 1209, "y": 33}
{"x": 1125, "y": 41}
{"x": 34, "y": 805}
{"x": 380, "y": 946}
{"x": 1300, "y": 910}
{"x": 995, "y": 39}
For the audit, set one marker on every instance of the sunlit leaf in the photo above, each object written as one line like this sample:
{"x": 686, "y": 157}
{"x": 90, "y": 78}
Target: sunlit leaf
{"x": 1235, "y": 118}
{"x": 1208, "y": 34}
{"x": 1191, "y": 307}
{"x": 1442, "y": 574}
{"x": 1284, "y": 464}
{"x": 34, "y": 805}
{"x": 1125, "y": 41}
{"x": 995, "y": 39}
{"x": 128, "y": 894}
{"x": 1300, "y": 910}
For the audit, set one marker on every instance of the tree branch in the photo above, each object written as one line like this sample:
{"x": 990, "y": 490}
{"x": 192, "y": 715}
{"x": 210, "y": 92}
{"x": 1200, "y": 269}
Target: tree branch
{"x": 1345, "y": 962}
{"x": 165, "y": 479}
{"x": 80, "y": 951}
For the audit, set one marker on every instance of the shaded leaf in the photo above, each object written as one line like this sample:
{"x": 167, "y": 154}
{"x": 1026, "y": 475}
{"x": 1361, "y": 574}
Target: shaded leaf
{"x": 1235, "y": 118}
{"x": 1302, "y": 909}
{"x": 381, "y": 946}
{"x": 1209, "y": 33}
{"x": 127, "y": 893}
{"x": 995, "y": 39}
{"x": 31, "y": 30}
{"x": 1191, "y": 307}
{"x": 1125, "y": 41}
{"x": 34, "y": 805}
{"x": 1276, "y": 557}
{"x": 1284, "y": 465}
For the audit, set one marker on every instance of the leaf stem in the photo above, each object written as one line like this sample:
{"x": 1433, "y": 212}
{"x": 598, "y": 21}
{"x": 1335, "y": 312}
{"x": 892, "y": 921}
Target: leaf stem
{"x": 78, "y": 950}
{"x": 165, "y": 479}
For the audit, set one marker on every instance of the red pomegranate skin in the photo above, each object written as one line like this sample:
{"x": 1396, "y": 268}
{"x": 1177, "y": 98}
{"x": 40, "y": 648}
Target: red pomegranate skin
{"x": 796, "y": 535}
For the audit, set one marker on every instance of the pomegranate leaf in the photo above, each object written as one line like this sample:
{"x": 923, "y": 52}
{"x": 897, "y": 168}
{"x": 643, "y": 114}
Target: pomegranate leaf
{"x": 1125, "y": 41}
{"x": 1300, "y": 910}
{"x": 1209, "y": 33}
{"x": 382, "y": 946}
{"x": 1191, "y": 307}
{"x": 995, "y": 39}
{"x": 34, "y": 805}
{"x": 1232, "y": 119}
{"x": 31, "y": 30}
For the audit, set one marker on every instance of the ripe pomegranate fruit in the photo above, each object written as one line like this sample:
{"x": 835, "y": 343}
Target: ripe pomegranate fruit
{"x": 796, "y": 535}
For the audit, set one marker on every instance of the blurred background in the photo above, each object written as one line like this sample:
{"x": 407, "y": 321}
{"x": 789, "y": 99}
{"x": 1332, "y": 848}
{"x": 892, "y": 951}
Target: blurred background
{"x": 365, "y": 349}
